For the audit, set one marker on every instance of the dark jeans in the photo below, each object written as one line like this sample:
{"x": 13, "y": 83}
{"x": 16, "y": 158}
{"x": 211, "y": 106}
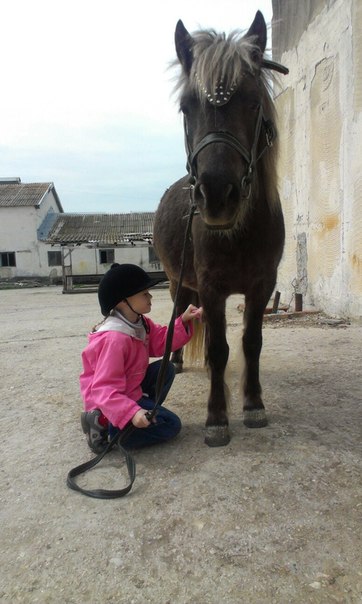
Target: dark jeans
{"x": 167, "y": 425}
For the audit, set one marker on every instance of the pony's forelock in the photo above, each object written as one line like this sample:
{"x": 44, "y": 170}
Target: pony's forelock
{"x": 219, "y": 58}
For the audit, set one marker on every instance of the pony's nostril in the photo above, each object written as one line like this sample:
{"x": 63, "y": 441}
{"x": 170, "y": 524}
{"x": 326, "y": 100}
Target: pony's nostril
{"x": 200, "y": 195}
{"x": 228, "y": 191}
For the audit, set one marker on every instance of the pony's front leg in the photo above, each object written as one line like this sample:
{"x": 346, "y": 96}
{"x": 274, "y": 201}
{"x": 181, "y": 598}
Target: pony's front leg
{"x": 217, "y": 353}
{"x": 254, "y": 411}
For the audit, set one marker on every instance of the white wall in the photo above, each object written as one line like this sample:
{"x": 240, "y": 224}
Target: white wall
{"x": 320, "y": 136}
{"x": 18, "y": 233}
{"x": 86, "y": 261}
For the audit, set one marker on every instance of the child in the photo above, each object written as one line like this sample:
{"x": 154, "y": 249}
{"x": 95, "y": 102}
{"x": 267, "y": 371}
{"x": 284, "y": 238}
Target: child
{"x": 118, "y": 383}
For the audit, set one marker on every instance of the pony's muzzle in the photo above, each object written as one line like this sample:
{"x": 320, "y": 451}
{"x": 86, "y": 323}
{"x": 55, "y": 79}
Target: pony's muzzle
{"x": 218, "y": 205}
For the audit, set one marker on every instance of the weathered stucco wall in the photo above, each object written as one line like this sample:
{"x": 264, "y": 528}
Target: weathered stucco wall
{"x": 320, "y": 128}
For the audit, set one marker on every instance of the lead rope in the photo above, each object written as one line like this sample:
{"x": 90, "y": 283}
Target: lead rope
{"x": 119, "y": 439}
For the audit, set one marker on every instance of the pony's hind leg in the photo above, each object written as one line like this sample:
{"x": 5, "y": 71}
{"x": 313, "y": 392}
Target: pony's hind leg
{"x": 254, "y": 411}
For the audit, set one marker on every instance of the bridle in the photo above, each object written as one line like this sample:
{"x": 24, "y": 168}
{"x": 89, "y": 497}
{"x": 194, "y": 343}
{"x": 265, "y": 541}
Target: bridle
{"x": 221, "y": 136}
{"x": 219, "y": 98}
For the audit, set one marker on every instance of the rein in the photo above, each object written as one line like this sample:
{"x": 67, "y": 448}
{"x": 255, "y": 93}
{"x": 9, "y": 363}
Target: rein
{"x": 119, "y": 439}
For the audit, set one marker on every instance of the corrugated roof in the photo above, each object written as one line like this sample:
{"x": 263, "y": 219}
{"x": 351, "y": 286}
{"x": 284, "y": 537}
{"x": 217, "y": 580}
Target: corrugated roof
{"x": 25, "y": 194}
{"x": 101, "y": 229}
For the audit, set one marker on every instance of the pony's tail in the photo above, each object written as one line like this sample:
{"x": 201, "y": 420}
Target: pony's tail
{"x": 195, "y": 349}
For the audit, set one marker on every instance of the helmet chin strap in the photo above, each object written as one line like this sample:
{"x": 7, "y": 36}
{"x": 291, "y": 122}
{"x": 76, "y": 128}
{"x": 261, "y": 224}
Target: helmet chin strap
{"x": 132, "y": 309}
{"x": 145, "y": 325}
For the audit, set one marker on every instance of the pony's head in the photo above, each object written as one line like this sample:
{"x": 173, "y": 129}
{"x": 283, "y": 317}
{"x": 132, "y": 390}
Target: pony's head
{"x": 228, "y": 118}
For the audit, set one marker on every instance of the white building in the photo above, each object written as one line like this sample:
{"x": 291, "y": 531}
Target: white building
{"x": 87, "y": 244}
{"x": 23, "y": 208}
{"x": 38, "y": 240}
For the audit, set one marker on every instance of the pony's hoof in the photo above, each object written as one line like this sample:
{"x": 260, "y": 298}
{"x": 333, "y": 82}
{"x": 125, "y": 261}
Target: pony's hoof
{"x": 255, "y": 418}
{"x": 178, "y": 367}
{"x": 217, "y": 436}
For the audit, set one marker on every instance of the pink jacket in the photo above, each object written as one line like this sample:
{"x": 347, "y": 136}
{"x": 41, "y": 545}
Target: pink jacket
{"x": 114, "y": 365}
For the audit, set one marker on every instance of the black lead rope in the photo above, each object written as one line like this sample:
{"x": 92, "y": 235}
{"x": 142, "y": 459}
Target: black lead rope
{"x": 119, "y": 439}
{"x": 88, "y": 465}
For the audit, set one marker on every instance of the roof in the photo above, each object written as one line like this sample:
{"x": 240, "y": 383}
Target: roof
{"x": 101, "y": 229}
{"x": 14, "y": 193}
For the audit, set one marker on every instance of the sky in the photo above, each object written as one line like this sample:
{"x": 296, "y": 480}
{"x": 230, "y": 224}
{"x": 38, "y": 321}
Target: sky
{"x": 87, "y": 95}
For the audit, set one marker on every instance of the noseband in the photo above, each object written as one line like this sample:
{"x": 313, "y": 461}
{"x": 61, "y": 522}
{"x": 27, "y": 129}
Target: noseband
{"x": 221, "y": 136}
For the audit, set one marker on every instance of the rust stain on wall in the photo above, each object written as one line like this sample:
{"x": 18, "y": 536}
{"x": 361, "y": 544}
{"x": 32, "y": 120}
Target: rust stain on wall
{"x": 328, "y": 224}
{"x": 355, "y": 239}
{"x": 356, "y": 280}
{"x": 357, "y": 262}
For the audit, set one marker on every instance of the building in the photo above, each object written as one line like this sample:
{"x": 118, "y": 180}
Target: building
{"x": 23, "y": 209}
{"x": 86, "y": 245}
{"x": 38, "y": 240}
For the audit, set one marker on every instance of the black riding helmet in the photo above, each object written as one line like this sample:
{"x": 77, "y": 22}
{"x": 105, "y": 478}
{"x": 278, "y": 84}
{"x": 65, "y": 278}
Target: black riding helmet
{"x": 121, "y": 282}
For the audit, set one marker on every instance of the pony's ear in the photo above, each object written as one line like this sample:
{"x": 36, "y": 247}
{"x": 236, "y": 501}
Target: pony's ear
{"x": 258, "y": 31}
{"x": 184, "y": 44}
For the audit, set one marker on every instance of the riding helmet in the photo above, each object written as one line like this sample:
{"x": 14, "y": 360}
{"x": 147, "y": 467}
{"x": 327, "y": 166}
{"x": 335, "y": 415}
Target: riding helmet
{"x": 120, "y": 282}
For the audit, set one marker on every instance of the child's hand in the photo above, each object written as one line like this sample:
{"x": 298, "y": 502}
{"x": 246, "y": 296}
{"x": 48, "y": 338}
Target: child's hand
{"x": 192, "y": 312}
{"x": 139, "y": 420}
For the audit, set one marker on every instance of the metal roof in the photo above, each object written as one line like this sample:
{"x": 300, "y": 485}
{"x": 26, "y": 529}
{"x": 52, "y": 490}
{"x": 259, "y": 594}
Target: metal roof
{"x": 100, "y": 229}
{"x": 14, "y": 193}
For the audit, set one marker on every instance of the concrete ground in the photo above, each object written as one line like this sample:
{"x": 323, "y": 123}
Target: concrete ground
{"x": 274, "y": 517}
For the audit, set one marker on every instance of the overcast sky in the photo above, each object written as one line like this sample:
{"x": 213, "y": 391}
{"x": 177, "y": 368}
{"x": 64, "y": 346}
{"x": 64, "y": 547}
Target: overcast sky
{"x": 86, "y": 95}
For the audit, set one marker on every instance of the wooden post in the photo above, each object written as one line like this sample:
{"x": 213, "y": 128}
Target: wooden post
{"x": 298, "y": 302}
{"x": 276, "y": 302}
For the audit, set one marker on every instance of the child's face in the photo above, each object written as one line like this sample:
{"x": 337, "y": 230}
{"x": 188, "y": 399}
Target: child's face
{"x": 141, "y": 302}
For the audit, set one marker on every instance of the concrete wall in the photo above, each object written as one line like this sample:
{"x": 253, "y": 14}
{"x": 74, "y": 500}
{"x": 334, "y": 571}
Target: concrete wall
{"x": 320, "y": 134}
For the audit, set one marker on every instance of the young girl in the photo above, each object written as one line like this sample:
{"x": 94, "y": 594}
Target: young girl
{"x": 118, "y": 383}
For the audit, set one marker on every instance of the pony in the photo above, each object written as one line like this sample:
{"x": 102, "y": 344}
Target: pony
{"x": 237, "y": 233}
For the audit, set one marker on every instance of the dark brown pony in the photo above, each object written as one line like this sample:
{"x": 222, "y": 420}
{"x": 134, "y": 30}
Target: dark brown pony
{"x": 238, "y": 229}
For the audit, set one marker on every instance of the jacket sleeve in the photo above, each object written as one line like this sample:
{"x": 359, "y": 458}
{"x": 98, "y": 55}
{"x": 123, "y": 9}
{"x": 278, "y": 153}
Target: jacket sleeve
{"x": 158, "y": 335}
{"x": 109, "y": 384}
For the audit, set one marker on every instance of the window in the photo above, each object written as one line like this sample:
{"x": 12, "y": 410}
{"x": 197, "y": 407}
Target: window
{"x": 54, "y": 259}
{"x": 106, "y": 256}
{"x": 7, "y": 259}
